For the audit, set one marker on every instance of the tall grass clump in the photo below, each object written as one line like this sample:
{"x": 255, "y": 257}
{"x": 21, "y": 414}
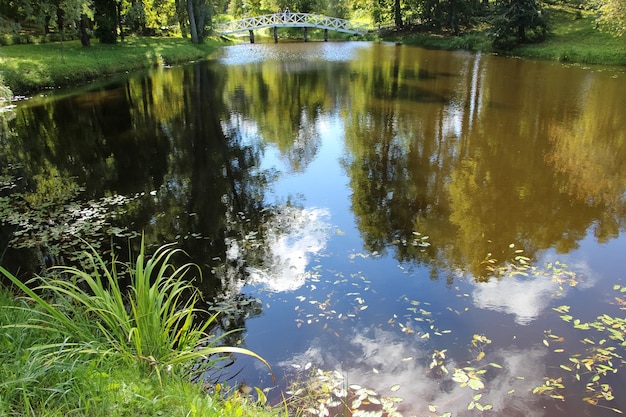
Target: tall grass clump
{"x": 34, "y": 381}
{"x": 151, "y": 322}
{"x": 40, "y": 382}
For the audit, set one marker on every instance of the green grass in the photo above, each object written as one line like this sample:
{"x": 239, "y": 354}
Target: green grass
{"x": 573, "y": 38}
{"x": 32, "y": 67}
{"x": 80, "y": 344}
{"x": 28, "y": 68}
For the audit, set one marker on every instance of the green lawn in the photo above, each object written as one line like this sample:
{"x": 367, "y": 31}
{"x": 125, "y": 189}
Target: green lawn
{"x": 575, "y": 38}
{"x": 27, "y": 68}
{"x": 31, "y": 67}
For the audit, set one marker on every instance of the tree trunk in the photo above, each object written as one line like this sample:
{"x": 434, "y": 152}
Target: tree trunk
{"x": 521, "y": 33}
{"x": 118, "y": 5}
{"x": 398, "y": 14}
{"x": 60, "y": 20}
{"x": 192, "y": 22}
{"x": 453, "y": 23}
{"x": 83, "y": 25}
{"x": 201, "y": 19}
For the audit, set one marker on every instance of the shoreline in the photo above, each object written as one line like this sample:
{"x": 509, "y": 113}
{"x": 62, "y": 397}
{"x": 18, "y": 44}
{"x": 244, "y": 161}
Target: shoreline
{"x": 33, "y": 68}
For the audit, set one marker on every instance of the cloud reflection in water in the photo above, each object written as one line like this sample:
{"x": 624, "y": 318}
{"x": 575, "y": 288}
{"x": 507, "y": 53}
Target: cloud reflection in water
{"x": 292, "y": 239}
{"x": 528, "y": 297}
{"x": 380, "y": 359}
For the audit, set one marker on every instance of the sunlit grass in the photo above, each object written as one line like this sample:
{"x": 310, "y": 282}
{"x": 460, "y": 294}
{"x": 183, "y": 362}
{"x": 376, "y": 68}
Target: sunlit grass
{"x": 575, "y": 38}
{"x": 151, "y": 323}
{"x": 31, "y": 67}
{"x": 83, "y": 341}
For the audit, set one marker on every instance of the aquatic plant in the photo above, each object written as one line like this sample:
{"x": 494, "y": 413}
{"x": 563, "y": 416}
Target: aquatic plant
{"x": 152, "y": 322}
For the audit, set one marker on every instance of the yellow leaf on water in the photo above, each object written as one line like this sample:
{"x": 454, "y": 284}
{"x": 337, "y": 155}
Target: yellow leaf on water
{"x": 395, "y": 388}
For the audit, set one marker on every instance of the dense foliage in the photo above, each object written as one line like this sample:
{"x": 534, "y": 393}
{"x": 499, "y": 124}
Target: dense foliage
{"x": 511, "y": 21}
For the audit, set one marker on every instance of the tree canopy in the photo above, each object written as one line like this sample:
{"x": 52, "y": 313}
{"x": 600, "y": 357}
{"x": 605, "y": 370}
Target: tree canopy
{"x": 511, "y": 21}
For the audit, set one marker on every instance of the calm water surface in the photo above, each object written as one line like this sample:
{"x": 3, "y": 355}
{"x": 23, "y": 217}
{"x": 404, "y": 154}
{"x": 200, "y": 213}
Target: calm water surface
{"x": 361, "y": 208}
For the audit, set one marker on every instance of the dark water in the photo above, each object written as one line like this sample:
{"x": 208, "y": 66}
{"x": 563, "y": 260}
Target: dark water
{"x": 360, "y": 208}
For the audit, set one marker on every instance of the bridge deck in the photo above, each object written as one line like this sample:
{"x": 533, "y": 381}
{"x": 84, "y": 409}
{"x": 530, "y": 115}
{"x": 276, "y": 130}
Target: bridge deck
{"x": 290, "y": 20}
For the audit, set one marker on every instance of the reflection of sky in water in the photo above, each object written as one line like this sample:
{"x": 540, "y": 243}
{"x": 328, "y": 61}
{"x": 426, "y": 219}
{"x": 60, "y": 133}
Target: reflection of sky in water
{"x": 380, "y": 359}
{"x": 285, "y": 268}
{"x": 526, "y": 298}
{"x": 329, "y": 306}
{"x": 291, "y": 52}
{"x": 350, "y": 313}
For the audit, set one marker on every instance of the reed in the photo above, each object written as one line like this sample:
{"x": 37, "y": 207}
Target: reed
{"x": 151, "y": 322}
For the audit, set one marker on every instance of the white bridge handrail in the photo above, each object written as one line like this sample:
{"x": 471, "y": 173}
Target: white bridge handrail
{"x": 290, "y": 20}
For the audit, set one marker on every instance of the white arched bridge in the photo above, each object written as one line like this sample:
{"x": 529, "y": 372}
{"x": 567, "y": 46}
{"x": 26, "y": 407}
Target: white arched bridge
{"x": 290, "y": 19}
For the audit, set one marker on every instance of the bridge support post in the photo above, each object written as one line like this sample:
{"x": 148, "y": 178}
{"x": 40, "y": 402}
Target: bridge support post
{"x": 275, "y": 34}
{"x": 304, "y": 31}
{"x": 251, "y": 35}
{"x": 325, "y": 35}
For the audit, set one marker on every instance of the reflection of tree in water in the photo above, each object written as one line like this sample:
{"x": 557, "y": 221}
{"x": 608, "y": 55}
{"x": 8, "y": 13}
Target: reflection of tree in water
{"x": 234, "y": 310}
{"x": 174, "y": 175}
{"x": 305, "y": 145}
{"x": 476, "y": 182}
{"x": 588, "y": 155}
{"x": 283, "y": 103}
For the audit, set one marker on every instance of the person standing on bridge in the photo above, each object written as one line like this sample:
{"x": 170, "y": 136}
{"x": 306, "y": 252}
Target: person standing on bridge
{"x": 286, "y": 13}
{"x": 279, "y": 14}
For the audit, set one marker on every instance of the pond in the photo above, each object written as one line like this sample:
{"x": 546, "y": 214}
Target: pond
{"x": 431, "y": 232}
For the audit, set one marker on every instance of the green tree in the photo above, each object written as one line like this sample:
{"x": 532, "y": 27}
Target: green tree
{"x": 5, "y": 113}
{"x": 305, "y": 6}
{"x": 147, "y": 17}
{"x": 78, "y": 12}
{"x": 519, "y": 21}
{"x": 106, "y": 18}
{"x": 197, "y": 11}
{"x": 449, "y": 14}
{"x": 339, "y": 8}
{"x": 49, "y": 15}
{"x": 199, "y": 15}
{"x": 236, "y": 8}
{"x": 612, "y": 15}
{"x": 135, "y": 16}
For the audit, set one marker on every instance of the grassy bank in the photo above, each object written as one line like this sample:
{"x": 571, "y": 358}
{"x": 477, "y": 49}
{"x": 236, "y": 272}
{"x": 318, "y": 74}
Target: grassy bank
{"x": 573, "y": 38}
{"x": 87, "y": 347}
{"x": 35, "y": 384}
{"x": 28, "y": 68}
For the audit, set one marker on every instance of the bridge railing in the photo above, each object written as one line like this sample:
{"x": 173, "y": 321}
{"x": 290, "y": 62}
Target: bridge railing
{"x": 291, "y": 19}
